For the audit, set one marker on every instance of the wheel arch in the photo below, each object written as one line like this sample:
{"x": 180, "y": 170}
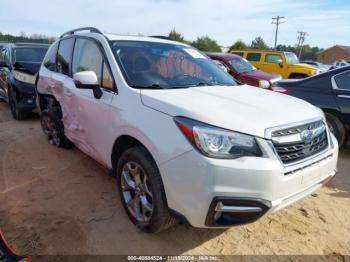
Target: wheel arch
{"x": 295, "y": 74}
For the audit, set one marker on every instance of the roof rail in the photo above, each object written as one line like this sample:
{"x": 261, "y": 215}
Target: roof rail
{"x": 91, "y": 29}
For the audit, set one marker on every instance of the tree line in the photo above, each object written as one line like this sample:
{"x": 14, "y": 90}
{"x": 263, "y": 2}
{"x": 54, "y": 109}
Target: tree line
{"x": 205, "y": 43}
{"x": 23, "y": 37}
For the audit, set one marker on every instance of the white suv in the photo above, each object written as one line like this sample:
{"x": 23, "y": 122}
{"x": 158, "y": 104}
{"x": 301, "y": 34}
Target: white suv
{"x": 183, "y": 140}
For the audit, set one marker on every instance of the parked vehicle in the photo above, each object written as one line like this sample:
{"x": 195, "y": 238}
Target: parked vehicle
{"x": 285, "y": 64}
{"x": 19, "y": 62}
{"x": 320, "y": 66}
{"x": 244, "y": 72}
{"x": 182, "y": 139}
{"x": 340, "y": 63}
{"x": 329, "y": 91}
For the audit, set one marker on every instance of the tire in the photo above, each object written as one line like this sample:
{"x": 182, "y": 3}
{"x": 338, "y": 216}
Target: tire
{"x": 53, "y": 127}
{"x": 142, "y": 192}
{"x": 297, "y": 76}
{"x": 337, "y": 128}
{"x": 16, "y": 113}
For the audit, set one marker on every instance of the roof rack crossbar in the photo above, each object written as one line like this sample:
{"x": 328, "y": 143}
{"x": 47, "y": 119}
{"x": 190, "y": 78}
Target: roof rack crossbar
{"x": 91, "y": 29}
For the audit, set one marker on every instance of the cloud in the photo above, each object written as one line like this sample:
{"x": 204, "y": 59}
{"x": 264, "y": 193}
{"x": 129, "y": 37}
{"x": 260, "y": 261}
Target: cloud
{"x": 224, "y": 20}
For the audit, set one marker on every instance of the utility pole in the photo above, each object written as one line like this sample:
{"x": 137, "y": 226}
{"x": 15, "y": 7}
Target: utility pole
{"x": 301, "y": 38}
{"x": 277, "y": 21}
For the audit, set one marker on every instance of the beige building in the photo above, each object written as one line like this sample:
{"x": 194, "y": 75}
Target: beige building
{"x": 332, "y": 54}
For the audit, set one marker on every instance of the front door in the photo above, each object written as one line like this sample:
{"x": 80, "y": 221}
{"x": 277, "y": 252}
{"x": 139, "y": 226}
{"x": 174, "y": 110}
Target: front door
{"x": 271, "y": 64}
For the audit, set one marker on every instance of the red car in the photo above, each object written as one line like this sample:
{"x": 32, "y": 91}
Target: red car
{"x": 245, "y": 73}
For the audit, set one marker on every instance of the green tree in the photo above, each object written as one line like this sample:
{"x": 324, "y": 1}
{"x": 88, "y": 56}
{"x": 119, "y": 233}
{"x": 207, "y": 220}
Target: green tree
{"x": 238, "y": 45}
{"x": 205, "y": 43}
{"x": 259, "y": 44}
{"x": 176, "y": 36}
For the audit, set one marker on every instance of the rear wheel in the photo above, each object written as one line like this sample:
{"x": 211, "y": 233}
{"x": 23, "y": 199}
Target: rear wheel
{"x": 337, "y": 128}
{"x": 142, "y": 192}
{"x": 53, "y": 128}
{"x": 16, "y": 113}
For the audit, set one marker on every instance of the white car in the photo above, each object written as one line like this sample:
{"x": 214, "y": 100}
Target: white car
{"x": 183, "y": 140}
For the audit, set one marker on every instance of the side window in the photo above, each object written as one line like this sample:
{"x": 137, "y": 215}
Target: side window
{"x": 254, "y": 57}
{"x": 87, "y": 57}
{"x": 64, "y": 56}
{"x": 343, "y": 81}
{"x": 238, "y": 53}
{"x": 272, "y": 58}
{"x": 107, "y": 79}
{"x": 50, "y": 58}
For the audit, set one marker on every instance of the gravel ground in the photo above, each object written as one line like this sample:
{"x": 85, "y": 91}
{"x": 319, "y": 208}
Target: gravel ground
{"x": 61, "y": 202}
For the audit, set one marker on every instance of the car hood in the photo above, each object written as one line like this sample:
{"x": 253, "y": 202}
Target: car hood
{"x": 261, "y": 75}
{"x": 244, "y": 108}
{"x": 303, "y": 66}
{"x": 27, "y": 67}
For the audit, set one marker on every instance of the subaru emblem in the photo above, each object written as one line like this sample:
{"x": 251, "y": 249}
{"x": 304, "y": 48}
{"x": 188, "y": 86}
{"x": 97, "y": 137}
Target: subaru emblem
{"x": 307, "y": 136}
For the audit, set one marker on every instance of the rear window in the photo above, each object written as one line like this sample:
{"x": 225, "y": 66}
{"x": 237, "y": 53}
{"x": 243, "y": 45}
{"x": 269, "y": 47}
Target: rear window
{"x": 343, "y": 80}
{"x": 254, "y": 57}
{"x": 64, "y": 56}
{"x": 29, "y": 54}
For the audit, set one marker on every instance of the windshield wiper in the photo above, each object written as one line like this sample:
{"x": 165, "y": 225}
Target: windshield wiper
{"x": 153, "y": 86}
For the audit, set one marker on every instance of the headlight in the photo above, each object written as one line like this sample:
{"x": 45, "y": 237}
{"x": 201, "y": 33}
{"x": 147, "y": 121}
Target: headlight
{"x": 216, "y": 142}
{"x": 23, "y": 77}
{"x": 315, "y": 72}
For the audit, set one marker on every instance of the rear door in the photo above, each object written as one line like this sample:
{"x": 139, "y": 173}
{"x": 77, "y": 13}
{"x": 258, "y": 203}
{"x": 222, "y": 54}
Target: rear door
{"x": 341, "y": 85}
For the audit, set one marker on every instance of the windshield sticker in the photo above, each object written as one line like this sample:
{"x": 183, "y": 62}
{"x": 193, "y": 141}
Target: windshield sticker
{"x": 194, "y": 53}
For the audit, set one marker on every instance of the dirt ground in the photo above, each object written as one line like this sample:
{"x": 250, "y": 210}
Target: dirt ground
{"x": 56, "y": 201}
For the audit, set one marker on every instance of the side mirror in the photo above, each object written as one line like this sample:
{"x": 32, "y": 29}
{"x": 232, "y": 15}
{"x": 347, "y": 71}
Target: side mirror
{"x": 264, "y": 84}
{"x": 88, "y": 80}
{"x": 280, "y": 63}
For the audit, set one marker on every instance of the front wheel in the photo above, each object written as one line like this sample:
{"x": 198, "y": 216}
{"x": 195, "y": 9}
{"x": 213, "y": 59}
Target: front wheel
{"x": 16, "y": 113}
{"x": 142, "y": 192}
{"x": 337, "y": 128}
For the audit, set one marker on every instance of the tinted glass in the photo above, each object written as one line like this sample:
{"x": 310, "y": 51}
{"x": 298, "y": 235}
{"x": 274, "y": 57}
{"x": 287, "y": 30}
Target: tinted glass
{"x": 64, "y": 56}
{"x": 241, "y": 65}
{"x": 87, "y": 57}
{"x": 343, "y": 81}
{"x": 50, "y": 58}
{"x": 29, "y": 54}
{"x": 255, "y": 57}
{"x": 163, "y": 65}
{"x": 322, "y": 81}
{"x": 272, "y": 58}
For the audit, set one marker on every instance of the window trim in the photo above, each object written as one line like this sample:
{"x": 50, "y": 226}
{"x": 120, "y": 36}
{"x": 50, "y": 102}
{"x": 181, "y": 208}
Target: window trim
{"x": 104, "y": 60}
{"x": 70, "y": 65}
{"x": 334, "y": 82}
{"x": 55, "y": 60}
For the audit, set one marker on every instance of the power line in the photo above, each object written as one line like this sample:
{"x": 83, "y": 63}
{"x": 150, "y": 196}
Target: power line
{"x": 301, "y": 38}
{"x": 277, "y": 21}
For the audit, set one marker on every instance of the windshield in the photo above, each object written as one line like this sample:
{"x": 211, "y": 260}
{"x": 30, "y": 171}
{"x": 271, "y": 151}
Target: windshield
{"x": 291, "y": 58}
{"x": 241, "y": 65}
{"x": 30, "y": 54}
{"x": 162, "y": 65}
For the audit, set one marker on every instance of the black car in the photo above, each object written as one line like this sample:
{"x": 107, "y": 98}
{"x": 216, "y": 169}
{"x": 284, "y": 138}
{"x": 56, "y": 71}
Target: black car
{"x": 329, "y": 91}
{"x": 19, "y": 62}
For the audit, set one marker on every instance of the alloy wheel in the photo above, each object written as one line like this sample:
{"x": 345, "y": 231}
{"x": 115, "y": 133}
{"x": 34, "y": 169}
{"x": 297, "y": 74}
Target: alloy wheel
{"x": 136, "y": 192}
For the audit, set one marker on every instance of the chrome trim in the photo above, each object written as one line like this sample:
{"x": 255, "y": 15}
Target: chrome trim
{"x": 220, "y": 207}
{"x": 269, "y": 131}
{"x": 287, "y": 139}
{"x": 334, "y": 83}
{"x": 343, "y": 96}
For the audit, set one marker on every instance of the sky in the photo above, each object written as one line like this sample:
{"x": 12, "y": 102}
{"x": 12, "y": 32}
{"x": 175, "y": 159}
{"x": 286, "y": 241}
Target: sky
{"x": 327, "y": 22}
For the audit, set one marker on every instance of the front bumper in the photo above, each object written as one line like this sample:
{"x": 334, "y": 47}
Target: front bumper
{"x": 194, "y": 184}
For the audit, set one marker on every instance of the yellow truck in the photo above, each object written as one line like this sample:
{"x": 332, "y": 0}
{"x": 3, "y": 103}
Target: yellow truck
{"x": 284, "y": 63}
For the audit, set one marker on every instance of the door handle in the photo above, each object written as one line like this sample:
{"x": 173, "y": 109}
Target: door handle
{"x": 343, "y": 96}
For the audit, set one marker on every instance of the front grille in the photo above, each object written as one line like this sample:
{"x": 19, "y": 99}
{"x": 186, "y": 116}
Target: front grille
{"x": 294, "y": 151}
